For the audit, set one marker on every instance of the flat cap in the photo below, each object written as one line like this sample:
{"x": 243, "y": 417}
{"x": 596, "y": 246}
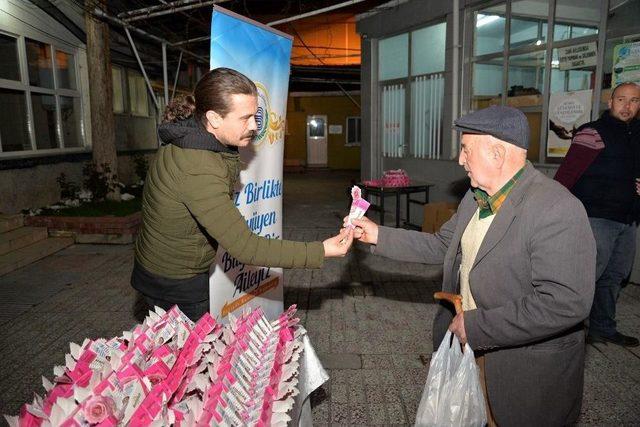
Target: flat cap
{"x": 505, "y": 123}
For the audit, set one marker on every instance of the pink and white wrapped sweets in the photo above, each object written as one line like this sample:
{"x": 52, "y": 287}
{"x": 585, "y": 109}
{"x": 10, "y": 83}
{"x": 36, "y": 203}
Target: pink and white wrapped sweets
{"x": 170, "y": 371}
{"x": 395, "y": 178}
{"x": 359, "y": 206}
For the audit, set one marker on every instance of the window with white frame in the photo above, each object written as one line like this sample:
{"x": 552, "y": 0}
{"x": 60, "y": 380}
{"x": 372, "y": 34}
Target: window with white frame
{"x": 353, "y": 131}
{"x": 118, "y": 89}
{"x": 411, "y": 74}
{"x": 40, "y": 104}
{"x": 515, "y": 59}
{"x": 138, "y": 98}
{"x": 393, "y": 71}
{"x": 427, "y": 90}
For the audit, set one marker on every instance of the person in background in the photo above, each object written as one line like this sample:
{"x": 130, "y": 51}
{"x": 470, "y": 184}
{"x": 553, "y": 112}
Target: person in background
{"x": 187, "y": 206}
{"x": 602, "y": 168}
{"x": 520, "y": 252}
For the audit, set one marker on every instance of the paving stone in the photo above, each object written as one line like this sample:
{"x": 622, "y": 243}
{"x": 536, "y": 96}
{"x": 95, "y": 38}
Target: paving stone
{"x": 411, "y": 409}
{"x": 340, "y": 376}
{"x": 378, "y": 414}
{"x": 340, "y": 414}
{"x": 340, "y": 360}
{"x": 359, "y": 414}
{"x": 357, "y": 393}
{"x": 352, "y": 347}
{"x": 320, "y": 413}
{"x": 339, "y": 393}
{"x": 387, "y": 377}
{"x": 322, "y": 344}
{"x": 375, "y": 394}
{"x": 392, "y": 395}
{"x": 411, "y": 376}
{"x": 411, "y": 393}
{"x": 396, "y": 413}
{"x": 406, "y": 361}
{"x": 318, "y": 326}
{"x": 371, "y": 376}
{"x": 376, "y": 361}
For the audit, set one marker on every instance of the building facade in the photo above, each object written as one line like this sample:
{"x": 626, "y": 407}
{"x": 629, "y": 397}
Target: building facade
{"x": 323, "y": 130}
{"x": 426, "y": 62}
{"x": 45, "y": 123}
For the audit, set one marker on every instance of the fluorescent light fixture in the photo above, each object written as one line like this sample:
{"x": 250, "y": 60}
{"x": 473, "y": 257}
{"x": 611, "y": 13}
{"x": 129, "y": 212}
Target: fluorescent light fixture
{"x": 485, "y": 19}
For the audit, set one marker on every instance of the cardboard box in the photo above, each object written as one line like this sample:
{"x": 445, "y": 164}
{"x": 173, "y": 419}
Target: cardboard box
{"x": 436, "y": 214}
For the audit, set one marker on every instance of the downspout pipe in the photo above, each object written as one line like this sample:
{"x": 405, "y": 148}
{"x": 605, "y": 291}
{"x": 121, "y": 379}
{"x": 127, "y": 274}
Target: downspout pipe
{"x": 455, "y": 76}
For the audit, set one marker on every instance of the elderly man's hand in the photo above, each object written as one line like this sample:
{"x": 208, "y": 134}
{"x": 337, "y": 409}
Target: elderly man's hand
{"x": 457, "y": 327}
{"x": 366, "y": 230}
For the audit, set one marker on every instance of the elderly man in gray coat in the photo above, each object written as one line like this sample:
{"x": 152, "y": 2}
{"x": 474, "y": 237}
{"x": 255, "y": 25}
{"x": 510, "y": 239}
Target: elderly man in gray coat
{"x": 521, "y": 253}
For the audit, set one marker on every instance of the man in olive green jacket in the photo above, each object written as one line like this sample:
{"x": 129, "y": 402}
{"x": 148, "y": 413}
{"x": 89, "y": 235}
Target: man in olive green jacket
{"x": 188, "y": 208}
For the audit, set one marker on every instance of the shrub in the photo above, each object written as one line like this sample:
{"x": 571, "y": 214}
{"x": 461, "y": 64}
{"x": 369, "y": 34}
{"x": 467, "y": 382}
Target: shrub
{"x": 99, "y": 181}
{"x": 141, "y": 166}
{"x": 68, "y": 189}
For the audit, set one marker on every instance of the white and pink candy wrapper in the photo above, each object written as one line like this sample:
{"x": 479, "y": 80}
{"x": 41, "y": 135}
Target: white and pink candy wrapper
{"x": 170, "y": 371}
{"x": 359, "y": 206}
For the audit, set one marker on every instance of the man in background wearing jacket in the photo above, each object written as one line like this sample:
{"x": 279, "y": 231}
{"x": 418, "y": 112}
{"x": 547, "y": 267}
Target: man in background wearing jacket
{"x": 601, "y": 169}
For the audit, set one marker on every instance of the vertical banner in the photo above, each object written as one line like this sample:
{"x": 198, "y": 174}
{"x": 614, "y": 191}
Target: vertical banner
{"x": 262, "y": 54}
{"x": 567, "y": 111}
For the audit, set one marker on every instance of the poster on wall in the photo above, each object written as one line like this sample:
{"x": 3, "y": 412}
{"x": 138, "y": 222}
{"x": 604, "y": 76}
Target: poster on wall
{"x": 626, "y": 63}
{"x": 262, "y": 54}
{"x": 578, "y": 56}
{"x": 567, "y": 111}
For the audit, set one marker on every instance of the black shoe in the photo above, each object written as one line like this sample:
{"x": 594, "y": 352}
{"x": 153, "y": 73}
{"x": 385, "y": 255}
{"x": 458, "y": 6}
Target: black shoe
{"x": 617, "y": 338}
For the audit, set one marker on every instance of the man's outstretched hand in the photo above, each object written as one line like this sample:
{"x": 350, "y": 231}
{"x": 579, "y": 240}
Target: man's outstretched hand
{"x": 338, "y": 246}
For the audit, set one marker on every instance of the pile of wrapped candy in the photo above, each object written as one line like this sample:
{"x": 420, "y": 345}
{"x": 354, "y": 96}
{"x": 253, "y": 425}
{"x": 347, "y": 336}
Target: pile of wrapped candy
{"x": 170, "y": 371}
{"x": 395, "y": 178}
{"x": 391, "y": 178}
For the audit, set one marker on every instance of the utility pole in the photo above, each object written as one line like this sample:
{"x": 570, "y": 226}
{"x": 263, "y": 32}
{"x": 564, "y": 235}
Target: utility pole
{"x": 103, "y": 134}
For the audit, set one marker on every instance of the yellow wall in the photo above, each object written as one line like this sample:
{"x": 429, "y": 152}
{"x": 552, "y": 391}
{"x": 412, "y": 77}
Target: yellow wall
{"x": 337, "y": 109}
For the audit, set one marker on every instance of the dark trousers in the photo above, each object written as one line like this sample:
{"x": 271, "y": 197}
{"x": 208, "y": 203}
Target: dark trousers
{"x": 616, "y": 246}
{"x": 191, "y": 295}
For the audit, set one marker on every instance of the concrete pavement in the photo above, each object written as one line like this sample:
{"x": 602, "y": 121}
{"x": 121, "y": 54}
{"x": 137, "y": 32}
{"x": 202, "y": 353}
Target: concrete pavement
{"x": 369, "y": 319}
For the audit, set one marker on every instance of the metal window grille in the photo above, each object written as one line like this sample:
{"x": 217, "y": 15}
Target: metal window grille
{"x": 427, "y": 96}
{"x": 393, "y": 123}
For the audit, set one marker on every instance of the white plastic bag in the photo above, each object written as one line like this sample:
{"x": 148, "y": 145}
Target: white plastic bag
{"x": 452, "y": 395}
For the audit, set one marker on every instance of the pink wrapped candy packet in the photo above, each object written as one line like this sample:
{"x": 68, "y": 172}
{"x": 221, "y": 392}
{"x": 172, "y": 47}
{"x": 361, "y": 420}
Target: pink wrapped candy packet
{"x": 171, "y": 371}
{"x": 359, "y": 206}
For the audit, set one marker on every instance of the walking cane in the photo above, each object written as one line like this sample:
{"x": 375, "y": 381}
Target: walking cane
{"x": 454, "y": 299}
